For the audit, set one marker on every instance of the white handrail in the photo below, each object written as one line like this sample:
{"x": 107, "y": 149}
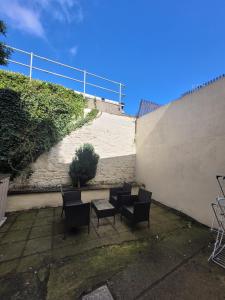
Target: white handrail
{"x": 85, "y": 73}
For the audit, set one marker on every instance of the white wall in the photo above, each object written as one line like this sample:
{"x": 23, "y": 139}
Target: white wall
{"x": 180, "y": 149}
{"x": 113, "y": 139}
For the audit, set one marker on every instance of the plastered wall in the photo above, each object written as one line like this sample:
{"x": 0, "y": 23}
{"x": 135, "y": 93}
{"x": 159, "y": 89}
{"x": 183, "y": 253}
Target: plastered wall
{"x": 180, "y": 149}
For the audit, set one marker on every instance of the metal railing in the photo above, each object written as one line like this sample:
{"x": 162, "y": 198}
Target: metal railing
{"x": 146, "y": 107}
{"x": 86, "y": 75}
{"x": 4, "y": 185}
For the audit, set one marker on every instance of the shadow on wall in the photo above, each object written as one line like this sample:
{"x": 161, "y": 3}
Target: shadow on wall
{"x": 109, "y": 171}
{"x": 115, "y": 170}
{"x": 23, "y": 136}
{"x": 180, "y": 150}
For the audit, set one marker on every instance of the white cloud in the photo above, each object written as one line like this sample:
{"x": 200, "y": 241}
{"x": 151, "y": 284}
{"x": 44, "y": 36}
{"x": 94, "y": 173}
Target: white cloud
{"x": 22, "y": 17}
{"x": 29, "y": 15}
{"x": 73, "y": 50}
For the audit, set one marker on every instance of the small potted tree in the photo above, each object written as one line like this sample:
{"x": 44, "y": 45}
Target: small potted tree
{"x": 84, "y": 165}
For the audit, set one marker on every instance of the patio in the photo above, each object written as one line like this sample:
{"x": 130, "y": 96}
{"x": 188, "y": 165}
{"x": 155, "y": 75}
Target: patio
{"x": 167, "y": 261}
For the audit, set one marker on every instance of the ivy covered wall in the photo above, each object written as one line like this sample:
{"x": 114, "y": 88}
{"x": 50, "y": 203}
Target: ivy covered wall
{"x": 34, "y": 115}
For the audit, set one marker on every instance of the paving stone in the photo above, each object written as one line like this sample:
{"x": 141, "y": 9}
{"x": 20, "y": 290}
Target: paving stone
{"x": 34, "y": 262}
{"x": 58, "y": 212}
{"x": 11, "y": 217}
{"x": 74, "y": 249}
{"x": 75, "y": 236}
{"x": 11, "y": 250}
{"x": 106, "y": 230}
{"x": 27, "y": 216}
{"x": 23, "y": 286}
{"x": 197, "y": 279}
{"x": 1, "y": 235}
{"x": 129, "y": 260}
{"x": 143, "y": 272}
{"x": 121, "y": 226}
{"x": 15, "y": 235}
{"x": 43, "y": 221}
{"x": 83, "y": 271}
{"x": 38, "y": 245}
{"x": 5, "y": 227}
{"x": 45, "y": 213}
{"x": 39, "y": 231}
{"x": 8, "y": 267}
{"x": 102, "y": 222}
{"x": 20, "y": 225}
{"x": 59, "y": 226}
{"x": 101, "y": 293}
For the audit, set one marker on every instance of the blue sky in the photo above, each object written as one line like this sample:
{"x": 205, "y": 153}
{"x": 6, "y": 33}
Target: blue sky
{"x": 158, "y": 49}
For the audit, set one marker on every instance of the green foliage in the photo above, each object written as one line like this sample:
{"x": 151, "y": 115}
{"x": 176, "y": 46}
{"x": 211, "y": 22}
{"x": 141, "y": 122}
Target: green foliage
{"x": 84, "y": 165}
{"x": 4, "y": 51}
{"x": 88, "y": 118}
{"x": 34, "y": 115}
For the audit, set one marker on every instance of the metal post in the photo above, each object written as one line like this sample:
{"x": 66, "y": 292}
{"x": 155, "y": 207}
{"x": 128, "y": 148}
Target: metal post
{"x": 31, "y": 64}
{"x": 120, "y": 94}
{"x": 85, "y": 76}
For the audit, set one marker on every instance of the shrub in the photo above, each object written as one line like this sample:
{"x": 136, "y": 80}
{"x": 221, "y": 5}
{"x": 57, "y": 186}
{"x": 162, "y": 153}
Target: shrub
{"x": 84, "y": 165}
{"x": 33, "y": 117}
{"x": 4, "y": 51}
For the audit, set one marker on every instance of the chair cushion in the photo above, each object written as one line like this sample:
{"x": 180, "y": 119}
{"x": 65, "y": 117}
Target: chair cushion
{"x": 114, "y": 197}
{"x": 144, "y": 196}
{"x": 129, "y": 209}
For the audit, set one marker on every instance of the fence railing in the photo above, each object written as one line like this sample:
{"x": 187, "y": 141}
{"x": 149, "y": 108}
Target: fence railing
{"x": 4, "y": 184}
{"x": 85, "y": 74}
{"x": 146, "y": 107}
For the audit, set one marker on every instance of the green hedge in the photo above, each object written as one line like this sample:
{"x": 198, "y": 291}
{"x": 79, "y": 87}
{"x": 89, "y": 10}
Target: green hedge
{"x": 33, "y": 117}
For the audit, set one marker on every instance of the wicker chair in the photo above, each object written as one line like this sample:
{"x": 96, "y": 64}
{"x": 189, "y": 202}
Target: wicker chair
{"x": 70, "y": 197}
{"x": 136, "y": 208}
{"x": 76, "y": 215}
{"x": 116, "y": 193}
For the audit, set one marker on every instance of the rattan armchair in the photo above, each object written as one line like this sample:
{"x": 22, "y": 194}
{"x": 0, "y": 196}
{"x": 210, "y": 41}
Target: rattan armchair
{"x": 70, "y": 197}
{"x": 116, "y": 193}
{"x": 136, "y": 208}
{"x": 77, "y": 215}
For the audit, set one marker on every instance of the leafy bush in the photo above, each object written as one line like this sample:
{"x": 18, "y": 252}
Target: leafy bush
{"x": 4, "y": 51}
{"x": 84, "y": 165}
{"x": 88, "y": 118}
{"x": 34, "y": 115}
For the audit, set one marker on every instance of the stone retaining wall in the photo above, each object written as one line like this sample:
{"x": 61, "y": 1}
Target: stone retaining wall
{"x": 113, "y": 139}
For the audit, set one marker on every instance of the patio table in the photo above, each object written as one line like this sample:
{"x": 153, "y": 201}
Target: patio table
{"x": 103, "y": 209}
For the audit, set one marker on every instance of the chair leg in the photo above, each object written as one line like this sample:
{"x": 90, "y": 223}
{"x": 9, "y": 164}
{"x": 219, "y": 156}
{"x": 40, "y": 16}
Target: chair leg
{"x": 133, "y": 223}
{"x": 62, "y": 212}
{"x": 65, "y": 231}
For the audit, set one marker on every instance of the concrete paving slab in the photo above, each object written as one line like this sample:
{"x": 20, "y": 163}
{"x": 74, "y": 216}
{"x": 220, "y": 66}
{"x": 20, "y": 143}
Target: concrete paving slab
{"x": 26, "y": 216}
{"x": 101, "y": 293}
{"x": 5, "y": 227}
{"x": 38, "y": 245}
{"x": 15, "y": 236}
{"x": 45, "y": 213}
{"x": 8, "y": 267}
{"x": 34, "y": 262}
{"x": 11, "y": 250}
{"x": 40, "y": 231}
{"x": 197, "y": 279}
{"x": 131, "y": 262}
{"x": 21, "y": 225}
{"x": 43, "y": 221}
